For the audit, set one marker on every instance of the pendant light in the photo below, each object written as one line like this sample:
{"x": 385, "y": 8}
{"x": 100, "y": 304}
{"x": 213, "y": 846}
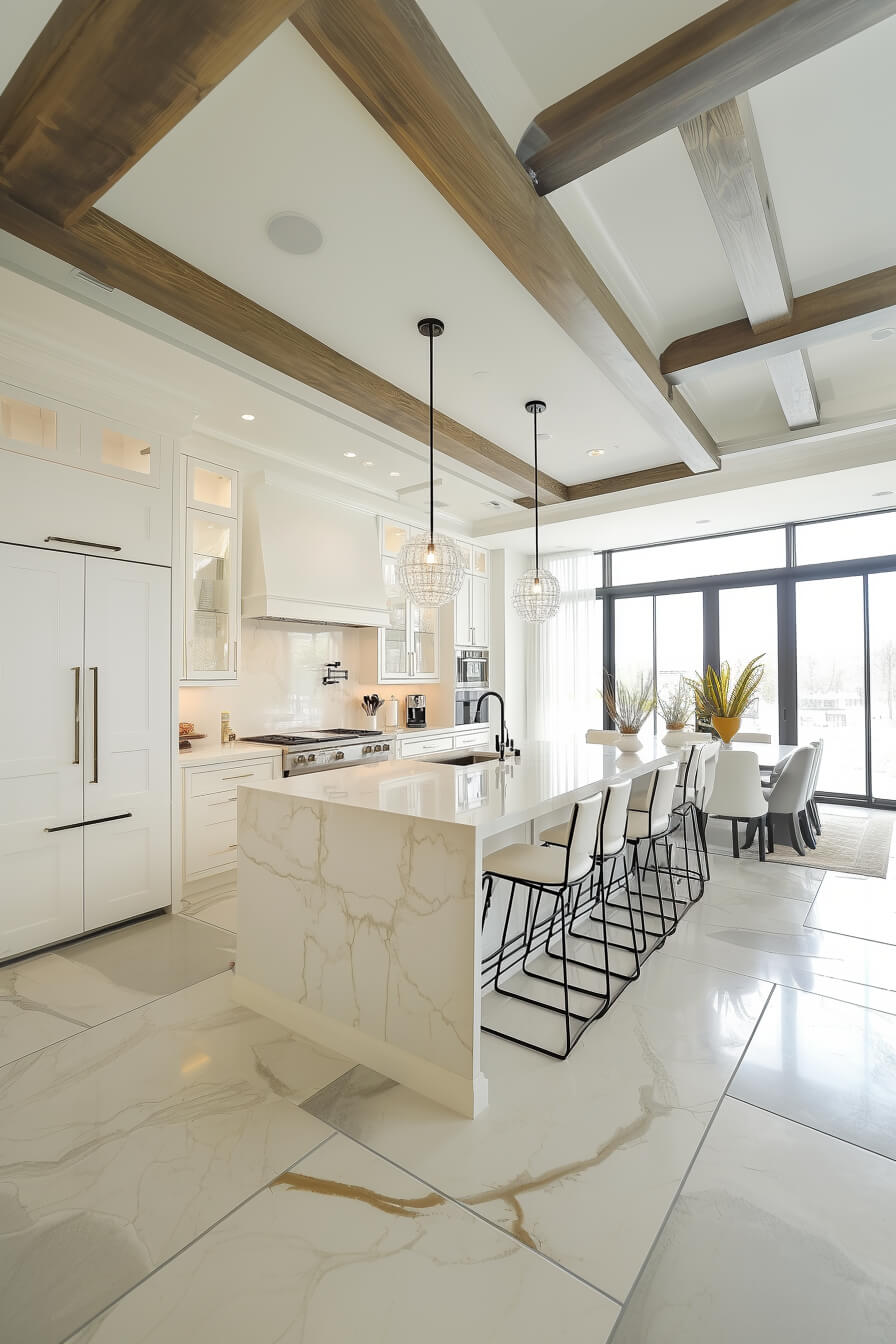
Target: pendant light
{"x": 536, "y": 594}
{"x": 430, "y": 568}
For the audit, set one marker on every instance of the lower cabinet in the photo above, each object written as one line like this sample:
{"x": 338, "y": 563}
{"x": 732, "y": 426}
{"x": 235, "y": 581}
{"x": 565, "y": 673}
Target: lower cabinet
{"x": 210, "y": 813}
{"x": 428, "y": 745}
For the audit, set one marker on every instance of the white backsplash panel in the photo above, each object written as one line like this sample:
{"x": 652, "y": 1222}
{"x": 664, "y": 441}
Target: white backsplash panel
{"x": 281, "y": 670}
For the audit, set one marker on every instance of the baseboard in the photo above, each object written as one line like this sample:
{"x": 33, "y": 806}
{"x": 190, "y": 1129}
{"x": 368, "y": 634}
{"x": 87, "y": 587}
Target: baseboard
{"x": 467, "y": 1096}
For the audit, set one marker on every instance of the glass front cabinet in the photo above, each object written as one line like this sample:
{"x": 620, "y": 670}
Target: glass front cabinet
{"x": 408, "y": 647}
{"x": 211, "y": 569}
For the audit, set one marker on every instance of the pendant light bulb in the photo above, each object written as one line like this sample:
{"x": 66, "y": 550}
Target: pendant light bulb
{"x": 536, "y": 594}
{"x": 430, "y": 568}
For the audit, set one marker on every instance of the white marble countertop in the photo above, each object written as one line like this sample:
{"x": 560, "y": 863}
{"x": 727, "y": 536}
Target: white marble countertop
{"x": 214, "y": 753}
{"x": 492, "y": 797}
{"x": 435, "y": 728}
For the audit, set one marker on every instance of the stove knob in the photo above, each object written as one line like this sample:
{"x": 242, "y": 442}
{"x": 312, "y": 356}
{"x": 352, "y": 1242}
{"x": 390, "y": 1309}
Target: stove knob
{"x": 365, "y": 751}
{"x": 299, "y": 760}
{"x": 340, "y": 755}
{"x": 311, "y": 758}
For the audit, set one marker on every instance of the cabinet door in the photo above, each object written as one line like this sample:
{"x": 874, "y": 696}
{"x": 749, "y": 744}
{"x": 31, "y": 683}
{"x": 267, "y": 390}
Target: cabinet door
{"x": 392, "y": 536}
{"x": 38, "y": 426}
{"x": 424, "y": 629}
{"x": 211, "y": 609}
{"x": 41, "y": 747}
{"x": 479, "y": 611}
{"x": 127, "y": 862}
{"x": 393, "y": 638}
{"x": 462, "y": 618}
{"x": 212, "y": 488}
{"x": 114, "y": 448}
{"x": 480, "y": 561}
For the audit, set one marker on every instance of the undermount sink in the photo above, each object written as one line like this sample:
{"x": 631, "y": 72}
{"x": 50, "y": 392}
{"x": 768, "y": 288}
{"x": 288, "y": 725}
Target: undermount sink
{"x": 463, "y": 757}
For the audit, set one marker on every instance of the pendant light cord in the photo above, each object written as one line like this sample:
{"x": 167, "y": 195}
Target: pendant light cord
{"x": 535, "y": 448}
{"x": 431, "y": 437}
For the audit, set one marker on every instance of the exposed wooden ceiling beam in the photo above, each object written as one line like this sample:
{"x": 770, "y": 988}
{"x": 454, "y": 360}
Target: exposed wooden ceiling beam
{"x": 717, "y": 56}
{"x": 105, "y": 80}
{"x": 388, "y": 55}
{"x": 110, "y": 252}
{"x": 611, "y": 485}
{"x": 826, "y": 314}
{"x": 727, "y": 158}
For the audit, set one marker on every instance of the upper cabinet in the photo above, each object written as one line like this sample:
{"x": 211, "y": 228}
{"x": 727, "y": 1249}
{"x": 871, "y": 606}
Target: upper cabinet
{"x": 211, "y": 572}
{"x": 79, "y": 481}
{"x": 471, "y": 612}
{"x": 408, "y": 647}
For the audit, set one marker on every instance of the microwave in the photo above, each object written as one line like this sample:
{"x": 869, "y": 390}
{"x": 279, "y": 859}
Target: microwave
{"x": 472, "y": 668}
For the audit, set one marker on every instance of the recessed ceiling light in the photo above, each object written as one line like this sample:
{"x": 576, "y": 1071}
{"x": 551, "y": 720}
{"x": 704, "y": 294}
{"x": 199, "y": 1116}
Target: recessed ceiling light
{"x": 596, "y": 452}
{"x": 368, "y": 464}
{"x": 246, "y": 416}
{"x": 349, "y": 454}
{"x": 883, "y": 333}
{"x": 294, "y": 234}
{"x": 394, "y": 473}
{"x": 881, "y": 494}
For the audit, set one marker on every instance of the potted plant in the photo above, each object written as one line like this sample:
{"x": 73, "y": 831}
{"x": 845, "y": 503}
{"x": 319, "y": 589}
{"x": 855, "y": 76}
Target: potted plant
{"x": 675, "y": 707}
{"x": 629, "y": 706}
{"x": 723, "y": 702}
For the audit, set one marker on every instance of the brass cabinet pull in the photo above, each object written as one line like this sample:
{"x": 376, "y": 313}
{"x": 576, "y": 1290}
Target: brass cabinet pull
{"x": 221, "y": 802}
{"x": 74, "y": 541}
{"x": 77, "y": 672}
{"x": 96, "y": 731}
{"x": 247, "y": 775}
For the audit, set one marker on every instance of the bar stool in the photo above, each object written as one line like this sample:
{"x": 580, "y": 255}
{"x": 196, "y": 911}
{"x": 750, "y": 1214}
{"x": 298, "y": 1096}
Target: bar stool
{"x": 547, "y": 874}
{"x": 644, "y": 829}
{"x": 610, "y": 849}
{"x": 696, "y": 786}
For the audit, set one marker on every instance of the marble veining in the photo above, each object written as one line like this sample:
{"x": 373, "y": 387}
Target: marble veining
{"x": 346, "y": 1246}
{"x": 122, "y": 1144}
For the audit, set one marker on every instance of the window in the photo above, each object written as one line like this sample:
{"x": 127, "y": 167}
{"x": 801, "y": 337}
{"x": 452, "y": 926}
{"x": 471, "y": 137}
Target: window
{"x": 830, "y": 664}
{"x": 565, "y": 655}
{"x": 748, "y": 625}
{"x": 865, "y": 535}
{"x": 882, "y": 667}
{"x": 702, "y": 557}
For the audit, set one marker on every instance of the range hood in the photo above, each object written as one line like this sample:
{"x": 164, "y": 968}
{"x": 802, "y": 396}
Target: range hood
{"x": 310, "y": 559}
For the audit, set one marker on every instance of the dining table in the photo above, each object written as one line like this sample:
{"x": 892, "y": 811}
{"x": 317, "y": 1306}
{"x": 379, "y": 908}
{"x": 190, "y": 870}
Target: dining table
{"x": 770, "y": 754}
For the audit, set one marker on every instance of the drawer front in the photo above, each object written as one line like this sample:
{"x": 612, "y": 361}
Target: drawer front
{"x": 227, "y": 778}
{"x": 414, "y": 747}
{"x": 209, "y": 846}
{"x": 211, "y": 808}
{"x": 480, "y": 738}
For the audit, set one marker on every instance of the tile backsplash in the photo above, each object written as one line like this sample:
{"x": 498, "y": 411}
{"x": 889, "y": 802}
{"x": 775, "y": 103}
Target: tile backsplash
{"x": 280, "y": 683}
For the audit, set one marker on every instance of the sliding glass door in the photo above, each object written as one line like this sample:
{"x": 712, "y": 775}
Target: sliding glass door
{"x": 748, "y": 625}
{"x": 882, "y": 683}
{"x": 660, "y": 638}
{"x": 830, "y": 673}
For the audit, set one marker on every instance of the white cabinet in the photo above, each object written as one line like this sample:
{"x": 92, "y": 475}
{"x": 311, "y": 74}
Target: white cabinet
{"x": 408, "y": 647}
{"x": 430, "y": 742}
{"x": 211, "y": 572}
{"x": 85, "y": 737}
{"x": 127, "y": 716}
{"x": 471, "y": 613}
{"x": 210, "y": 813}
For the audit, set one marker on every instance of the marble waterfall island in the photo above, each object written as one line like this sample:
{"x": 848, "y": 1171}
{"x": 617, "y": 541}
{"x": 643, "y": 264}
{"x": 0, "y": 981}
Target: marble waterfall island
{"x": 360, "y": 900}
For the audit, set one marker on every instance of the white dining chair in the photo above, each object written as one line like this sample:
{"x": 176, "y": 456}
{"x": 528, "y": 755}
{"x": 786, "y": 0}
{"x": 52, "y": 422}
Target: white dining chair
{"x": 812, "y": 811}
{"x": 737, "y": 796}
{"x": 787, "y": 799}
{"x": 752, "y": 737}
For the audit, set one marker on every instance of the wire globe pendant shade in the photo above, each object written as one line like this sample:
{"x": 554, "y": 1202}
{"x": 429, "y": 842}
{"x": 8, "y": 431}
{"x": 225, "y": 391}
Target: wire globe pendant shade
{"x": 430, "y": 568}
{"x": 536, "y": 593}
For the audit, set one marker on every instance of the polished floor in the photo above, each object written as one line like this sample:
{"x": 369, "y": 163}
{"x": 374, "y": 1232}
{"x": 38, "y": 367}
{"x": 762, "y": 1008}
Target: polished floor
{"x": 715, "y": 1161}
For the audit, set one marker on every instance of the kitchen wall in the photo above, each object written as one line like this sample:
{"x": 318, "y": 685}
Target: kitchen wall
{"x": 280, "y": 684}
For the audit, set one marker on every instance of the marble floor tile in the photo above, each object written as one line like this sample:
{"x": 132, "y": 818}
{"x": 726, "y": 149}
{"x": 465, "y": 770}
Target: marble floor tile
{"x": 122, "y": 1144}
{"x": 827, "y": 1064}
{"x": 750, "y": 909}
{"x": 348, "y": 1247}
{"x": 775, "y": 879}
{"x": 217, "y": 905}
{"x": 578, "y": 1159}
{"x": 780, "y": 1234}
{"x": 156, "y": 956}
{"x": 863, "y": 907}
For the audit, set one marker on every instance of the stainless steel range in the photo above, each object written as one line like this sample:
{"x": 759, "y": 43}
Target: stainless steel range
{"x": 308, "y": 749}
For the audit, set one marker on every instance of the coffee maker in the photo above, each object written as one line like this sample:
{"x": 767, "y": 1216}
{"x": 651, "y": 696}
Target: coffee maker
{"x": 415, "y": 707}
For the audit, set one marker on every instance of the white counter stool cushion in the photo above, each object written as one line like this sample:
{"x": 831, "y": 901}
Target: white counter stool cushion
{"x": 611, "y": 826}
{"x": 643, "y": 824}
{"x": 737, "y": 794}
{"x": 546, "y": 866}
{"x": 688, "y": 736}
{"x": 788, "y": 797}
{"x": 752, "y": 737}
{"x": 643, "y": 830}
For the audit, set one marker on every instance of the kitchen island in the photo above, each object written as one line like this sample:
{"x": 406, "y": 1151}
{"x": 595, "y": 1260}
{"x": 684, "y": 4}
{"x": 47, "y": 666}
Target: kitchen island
{"x": 360, "y": 900}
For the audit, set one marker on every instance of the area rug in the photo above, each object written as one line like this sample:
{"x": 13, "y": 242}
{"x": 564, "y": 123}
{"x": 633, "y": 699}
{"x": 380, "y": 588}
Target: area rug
{"x": 848, "y": 844}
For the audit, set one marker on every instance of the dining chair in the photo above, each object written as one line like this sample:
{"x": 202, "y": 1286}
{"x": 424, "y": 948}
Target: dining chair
{"x": 752, "y": 737}
{"x": 786, "y": 801}
{"x": 548, "y": 875}
{"x": 812, "y": 811}
{"x": 737, "y": 796}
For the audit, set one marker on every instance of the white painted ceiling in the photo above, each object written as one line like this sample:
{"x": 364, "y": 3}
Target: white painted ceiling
{"x": 281, "y": 133}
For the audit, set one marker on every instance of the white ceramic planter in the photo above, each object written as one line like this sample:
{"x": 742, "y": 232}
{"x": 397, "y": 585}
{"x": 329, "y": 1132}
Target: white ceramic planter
{"x": 629, "y": 742}
{"x": 674, "y": 737}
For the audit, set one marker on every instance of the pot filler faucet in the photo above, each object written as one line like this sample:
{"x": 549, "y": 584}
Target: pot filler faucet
{"x": 503, "y": 742}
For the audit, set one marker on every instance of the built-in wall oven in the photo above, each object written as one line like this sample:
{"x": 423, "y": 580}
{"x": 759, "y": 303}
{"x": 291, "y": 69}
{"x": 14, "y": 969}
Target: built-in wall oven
{"x": 465, "y": 702}
{"x": 472, "y": 669}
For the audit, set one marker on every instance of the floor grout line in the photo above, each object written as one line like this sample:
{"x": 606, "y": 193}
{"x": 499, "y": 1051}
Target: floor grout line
{"x": 459, "y": 1203}
{"x": 681, "y": 1184}
{"x": 816, "y": 1129}
{"x": 177, "y": 1254}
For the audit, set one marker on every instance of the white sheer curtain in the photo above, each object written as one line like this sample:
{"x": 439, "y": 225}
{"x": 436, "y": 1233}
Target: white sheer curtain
{"x": 564, "y": 656}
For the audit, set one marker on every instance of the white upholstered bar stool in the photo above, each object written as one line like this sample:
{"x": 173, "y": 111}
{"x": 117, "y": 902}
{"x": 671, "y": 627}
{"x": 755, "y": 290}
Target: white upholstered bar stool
{"x": 645, "y": 828}
{"x": 691, "y": 794}
{"x": 737, "y": 796}
{"x": 548, "y": 875}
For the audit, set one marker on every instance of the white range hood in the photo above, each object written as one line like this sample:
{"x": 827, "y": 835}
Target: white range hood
{"x": 310, "y": 559}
